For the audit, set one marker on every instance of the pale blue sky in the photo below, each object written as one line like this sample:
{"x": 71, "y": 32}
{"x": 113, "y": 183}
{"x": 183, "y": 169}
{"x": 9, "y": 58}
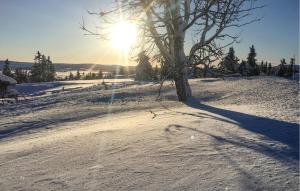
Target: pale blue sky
{"x": 52, "y": 26}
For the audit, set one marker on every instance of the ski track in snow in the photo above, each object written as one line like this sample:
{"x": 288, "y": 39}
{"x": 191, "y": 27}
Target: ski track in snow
{"x": 235, "y": 134}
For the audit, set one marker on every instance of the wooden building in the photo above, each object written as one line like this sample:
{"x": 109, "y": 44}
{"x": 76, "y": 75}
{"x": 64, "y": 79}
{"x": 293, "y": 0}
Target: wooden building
{"x": 8, "y": 87}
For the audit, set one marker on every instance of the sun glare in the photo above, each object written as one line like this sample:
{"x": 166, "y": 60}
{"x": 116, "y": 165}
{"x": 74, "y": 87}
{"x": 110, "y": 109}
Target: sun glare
{"x": 123, "y": 35}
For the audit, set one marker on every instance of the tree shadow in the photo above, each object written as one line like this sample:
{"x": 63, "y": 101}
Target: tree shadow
{"x": 199, "y": 115}
{"x": 209, "y": 80}
{"x": 270, "y": 129}
{"x": 247, "y": 180}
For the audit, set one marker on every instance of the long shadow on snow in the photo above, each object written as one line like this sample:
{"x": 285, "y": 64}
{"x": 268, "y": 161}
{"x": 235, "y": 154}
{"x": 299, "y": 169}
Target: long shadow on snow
{"x": 271, "y": 129}
{"x": 249, "y": 182}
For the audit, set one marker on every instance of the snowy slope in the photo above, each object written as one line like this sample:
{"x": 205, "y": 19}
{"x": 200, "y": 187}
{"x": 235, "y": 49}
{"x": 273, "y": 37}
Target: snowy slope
{"x": 235, "y": 134}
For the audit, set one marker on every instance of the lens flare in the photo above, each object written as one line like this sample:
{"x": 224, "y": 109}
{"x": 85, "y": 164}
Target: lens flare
{"x": 123, "y": 35}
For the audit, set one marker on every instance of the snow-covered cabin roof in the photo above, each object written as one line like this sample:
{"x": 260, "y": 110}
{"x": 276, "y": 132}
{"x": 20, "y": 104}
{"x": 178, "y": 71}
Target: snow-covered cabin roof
{"x": 4, "y": 78}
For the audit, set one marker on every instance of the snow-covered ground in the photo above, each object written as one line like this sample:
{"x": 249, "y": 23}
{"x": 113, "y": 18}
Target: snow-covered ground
{"x": 38, "y": 89}
{"x": 235, "y": 134}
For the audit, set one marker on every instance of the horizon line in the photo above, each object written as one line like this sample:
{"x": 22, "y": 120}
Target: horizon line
{"x": 31, "y": 62}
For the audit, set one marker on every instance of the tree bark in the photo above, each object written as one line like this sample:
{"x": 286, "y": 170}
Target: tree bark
{"x": 205, "y": 71}
{"x": 182, "y": 87}
{"x": 181, "y": 78}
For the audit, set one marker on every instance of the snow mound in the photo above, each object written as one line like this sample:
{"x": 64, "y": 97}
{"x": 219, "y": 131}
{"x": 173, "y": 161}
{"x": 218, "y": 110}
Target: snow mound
{"x": 8, "y": 79}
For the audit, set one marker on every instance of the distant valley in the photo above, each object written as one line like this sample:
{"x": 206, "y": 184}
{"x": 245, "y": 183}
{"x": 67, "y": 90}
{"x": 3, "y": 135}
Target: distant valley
{"x": 61, "y": 67}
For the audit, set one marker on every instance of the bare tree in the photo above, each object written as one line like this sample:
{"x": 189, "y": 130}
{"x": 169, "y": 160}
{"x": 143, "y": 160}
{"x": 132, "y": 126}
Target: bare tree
{"x": 164, "y": 24}
{"x": 204, "y": 57}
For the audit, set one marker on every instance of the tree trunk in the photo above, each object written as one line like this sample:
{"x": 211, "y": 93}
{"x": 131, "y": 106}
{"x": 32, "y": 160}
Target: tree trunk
{"x": 181, "y": 78}
{"x": 205, "y": 71}
{"x": 182, "y": 88}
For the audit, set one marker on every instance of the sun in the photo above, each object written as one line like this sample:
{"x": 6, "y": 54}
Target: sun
{"x": 123, "y": 35}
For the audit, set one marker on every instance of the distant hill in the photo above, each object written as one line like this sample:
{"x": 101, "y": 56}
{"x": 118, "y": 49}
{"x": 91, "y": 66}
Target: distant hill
{"x": 14, "y": 64}
{"x": 60, "y": 67}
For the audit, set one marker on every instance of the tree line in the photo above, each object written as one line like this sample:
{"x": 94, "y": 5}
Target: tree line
{"x": 231, "y": 64}
{"x": 42, "y": 70}
{"x": 120, "y": 72}
{"x": 83, "y": 76}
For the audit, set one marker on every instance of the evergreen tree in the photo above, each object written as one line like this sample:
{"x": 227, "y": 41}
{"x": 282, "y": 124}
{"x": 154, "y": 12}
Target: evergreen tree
{"x": 78, "y": 75}
{"x": 229, "y": 64}
{"x": 36, "y": 69}
{"x": 44, "y": 73}
{"x": 100, "y": 74}
{"x": 243, "y": 68}
{"x": 270, "y": 69}
{"x": 262, "y": 66}
{"x": 42, "y": 69}
{"x": 50, "y": 70}
{"x": 93, "y": 75}
{"x": 90, "y": 76}
{"x": 251, "y": 60}
{"x": 71, "y": 76}
{"x": 282, "y": 68}
{"x": 144, "y": 69}
{"x": 18, "y": 75}
{"x": 266, "y": 68}
{"x": 291, "y": 67}
{"x": 6, "y": 69}
{"x": 21, "y": 75}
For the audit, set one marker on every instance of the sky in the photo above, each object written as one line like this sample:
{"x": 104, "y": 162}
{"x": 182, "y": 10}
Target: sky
{"x": 53, "y": 27}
